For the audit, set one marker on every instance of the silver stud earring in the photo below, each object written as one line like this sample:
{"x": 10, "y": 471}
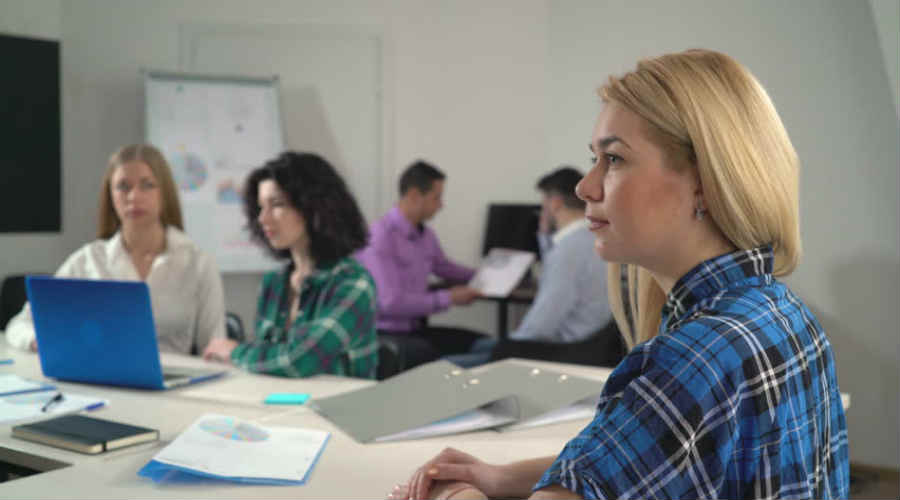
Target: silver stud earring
{"x": 699, "y": 212}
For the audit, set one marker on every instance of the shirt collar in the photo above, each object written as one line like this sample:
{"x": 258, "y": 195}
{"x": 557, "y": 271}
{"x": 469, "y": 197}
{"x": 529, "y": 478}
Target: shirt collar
{"x": 175, "y": 240}
{"x": 322, "y": 272}
{"x": 326, "y": 270}
{"x": 399, "y": 222}
{"x": 568, "y": 229}
{"x": 114, "y": 247}
{"x": 711, "y": 277}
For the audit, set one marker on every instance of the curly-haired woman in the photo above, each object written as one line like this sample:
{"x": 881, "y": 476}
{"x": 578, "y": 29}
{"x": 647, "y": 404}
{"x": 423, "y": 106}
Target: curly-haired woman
{"x": 317, "y": 315}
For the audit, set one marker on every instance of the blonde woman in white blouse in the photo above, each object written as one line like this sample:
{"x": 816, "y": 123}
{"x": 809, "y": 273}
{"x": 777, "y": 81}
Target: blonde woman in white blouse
{"x": 140, "y": 238}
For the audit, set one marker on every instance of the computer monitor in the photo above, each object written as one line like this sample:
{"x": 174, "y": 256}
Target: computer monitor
{"x": 512, "y": 225}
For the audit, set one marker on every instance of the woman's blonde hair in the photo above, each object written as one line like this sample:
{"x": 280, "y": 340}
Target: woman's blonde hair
{"x": 108, "y": 221}
{"x": 708, "y": 108}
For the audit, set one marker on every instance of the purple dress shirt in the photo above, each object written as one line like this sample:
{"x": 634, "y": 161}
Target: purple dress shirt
{"x": 400, "y": 258}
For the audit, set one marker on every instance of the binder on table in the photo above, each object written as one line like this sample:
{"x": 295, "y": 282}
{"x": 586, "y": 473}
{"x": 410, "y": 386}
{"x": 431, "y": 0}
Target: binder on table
{"x": 440, "y": 398}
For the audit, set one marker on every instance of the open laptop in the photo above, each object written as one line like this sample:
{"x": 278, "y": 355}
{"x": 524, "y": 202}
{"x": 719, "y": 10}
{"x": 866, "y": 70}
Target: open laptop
{"x": 101, "y": 332}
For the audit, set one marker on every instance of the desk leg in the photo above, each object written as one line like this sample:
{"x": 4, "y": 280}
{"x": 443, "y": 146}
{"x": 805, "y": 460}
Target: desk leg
{"x": 502, "y": 310}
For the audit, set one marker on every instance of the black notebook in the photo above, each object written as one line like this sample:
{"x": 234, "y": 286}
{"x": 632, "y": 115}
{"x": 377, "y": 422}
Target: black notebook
{"x": 85, "y": 434}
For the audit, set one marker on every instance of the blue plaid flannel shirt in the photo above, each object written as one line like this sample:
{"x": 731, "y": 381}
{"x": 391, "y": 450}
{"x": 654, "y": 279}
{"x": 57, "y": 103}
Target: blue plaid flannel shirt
{"x": 736, "y": 397}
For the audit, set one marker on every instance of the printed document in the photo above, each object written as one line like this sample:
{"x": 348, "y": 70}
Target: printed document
{"x": 229, "y": 448}
{"x": 501, "y": 270}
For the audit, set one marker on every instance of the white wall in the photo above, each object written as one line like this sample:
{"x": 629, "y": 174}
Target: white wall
{"x": 34, "y": 18}
{"x": 498, "y": 92}
{"x": 434, "y": 91}
{"x": 886, "y": 14}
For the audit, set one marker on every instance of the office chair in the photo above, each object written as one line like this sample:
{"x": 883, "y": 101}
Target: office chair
{"x": 234, "y": 327}
{"x": 604, "y": 348}
{"x": 12, "y": 297}
{"x": 390, "y": 358}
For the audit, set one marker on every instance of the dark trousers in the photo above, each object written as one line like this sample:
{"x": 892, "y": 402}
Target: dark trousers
{"x": 604, "y": 348}
{"x": 429, "y": 343}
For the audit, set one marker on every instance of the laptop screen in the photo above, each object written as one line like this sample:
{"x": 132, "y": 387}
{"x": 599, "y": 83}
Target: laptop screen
{"x": 95, "y": 331}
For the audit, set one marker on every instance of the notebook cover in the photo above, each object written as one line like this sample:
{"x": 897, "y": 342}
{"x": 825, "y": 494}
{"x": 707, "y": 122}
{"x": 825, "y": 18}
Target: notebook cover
{"x": 87, "y": 431}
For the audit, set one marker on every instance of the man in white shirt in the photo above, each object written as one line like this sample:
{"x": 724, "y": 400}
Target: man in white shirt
{"x": 571, "y": 304}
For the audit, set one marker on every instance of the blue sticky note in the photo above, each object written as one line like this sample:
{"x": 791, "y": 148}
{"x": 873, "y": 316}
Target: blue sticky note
{"x": 286, "y": 398}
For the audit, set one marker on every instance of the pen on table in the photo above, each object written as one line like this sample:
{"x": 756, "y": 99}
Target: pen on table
{"x": 55, "y": 399}
{"x": 94, "y": 406}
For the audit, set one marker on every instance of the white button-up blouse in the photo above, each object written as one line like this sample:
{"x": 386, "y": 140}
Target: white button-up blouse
{"x": 185, "y": 290}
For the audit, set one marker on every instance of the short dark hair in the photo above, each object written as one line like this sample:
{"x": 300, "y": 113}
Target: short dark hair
{"x": 562, "y": 182}
{"x": 420, "y": 175}
{"x": 335, "y": 226}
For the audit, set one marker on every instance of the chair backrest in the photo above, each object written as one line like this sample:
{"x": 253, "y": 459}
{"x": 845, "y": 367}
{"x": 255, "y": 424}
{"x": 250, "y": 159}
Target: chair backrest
{"x": 234, "y": 327}
{"x": 12, "y": 298}
{"x": 604, "y": 348}
{"x": 390, "y": 358}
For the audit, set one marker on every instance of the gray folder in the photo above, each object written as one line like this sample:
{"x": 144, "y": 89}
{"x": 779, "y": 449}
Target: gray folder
{"x": 440, "y": 390}
{"x": 539, "y": 391}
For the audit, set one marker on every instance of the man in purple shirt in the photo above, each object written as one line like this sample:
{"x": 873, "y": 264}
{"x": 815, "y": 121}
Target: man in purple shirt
{"x": 401, "y": 255}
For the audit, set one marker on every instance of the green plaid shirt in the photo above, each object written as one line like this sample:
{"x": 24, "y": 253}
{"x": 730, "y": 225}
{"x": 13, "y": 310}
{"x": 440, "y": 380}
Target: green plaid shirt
{"x": 334, "y": 331}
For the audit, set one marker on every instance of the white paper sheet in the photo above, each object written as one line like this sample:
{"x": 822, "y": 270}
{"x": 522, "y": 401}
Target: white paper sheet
{"x": 586, "y": 408}
{"x": 489, "y": 416}
{"x": 231, "y": 448}
{"x": 501, "y": 270}
{"x": 11, "y": 383}
{"x": 28, "y": 406}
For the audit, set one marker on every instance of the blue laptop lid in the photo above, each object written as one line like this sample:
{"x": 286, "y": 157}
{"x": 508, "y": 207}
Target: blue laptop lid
{"x": 95, "y": 331}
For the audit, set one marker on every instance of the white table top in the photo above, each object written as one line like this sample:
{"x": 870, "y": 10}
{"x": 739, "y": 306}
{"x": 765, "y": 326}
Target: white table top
{"x": 345, "y": 469}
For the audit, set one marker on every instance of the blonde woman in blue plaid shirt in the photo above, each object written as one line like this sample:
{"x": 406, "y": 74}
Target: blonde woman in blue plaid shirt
{"x": 729, "y": 390}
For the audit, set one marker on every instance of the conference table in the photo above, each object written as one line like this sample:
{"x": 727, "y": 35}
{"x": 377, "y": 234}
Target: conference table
{"x": 346, "y": 468}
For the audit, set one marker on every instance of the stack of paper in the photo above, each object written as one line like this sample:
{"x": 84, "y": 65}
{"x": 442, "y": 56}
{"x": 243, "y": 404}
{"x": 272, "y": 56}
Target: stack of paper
{"x": 223, "y": 447}
{"x": 492, "y": 415}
